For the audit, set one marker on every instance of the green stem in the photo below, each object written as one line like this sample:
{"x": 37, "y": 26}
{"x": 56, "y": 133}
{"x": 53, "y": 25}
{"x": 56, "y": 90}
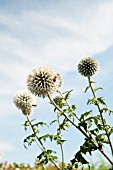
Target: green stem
{"x": 73, "y": 123}
{"x": 61, "y": 145}
{"x": 102, "y": 119}
{"x": 68, "y": 105}
{"x": 39, "y": 143}
{"x": 74, "y": 113}
{"x": 81, "y": 130}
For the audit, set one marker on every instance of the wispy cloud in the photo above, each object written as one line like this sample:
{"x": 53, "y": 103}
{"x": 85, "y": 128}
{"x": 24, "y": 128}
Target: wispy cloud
{"x": 6, "y": 147}
{"x": 89, "y": 35}
{"x": 33, "y": 37}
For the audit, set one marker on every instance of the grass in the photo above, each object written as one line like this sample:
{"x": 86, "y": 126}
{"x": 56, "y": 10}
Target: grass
{"x": 14, "y": 166}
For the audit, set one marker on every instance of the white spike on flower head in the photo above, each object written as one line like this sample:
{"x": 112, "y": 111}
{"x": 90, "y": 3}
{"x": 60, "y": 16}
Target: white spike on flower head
{"x": 25, "y": 101}
{"x": 88, "y": 67}
{"x": 43, "y": 81}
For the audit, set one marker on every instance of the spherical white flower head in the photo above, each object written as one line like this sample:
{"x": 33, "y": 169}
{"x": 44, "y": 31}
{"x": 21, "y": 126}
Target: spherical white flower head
{"x": 25, "y": 101}
{"x": 88, "y": 67}
{"x": 43, "y": 81}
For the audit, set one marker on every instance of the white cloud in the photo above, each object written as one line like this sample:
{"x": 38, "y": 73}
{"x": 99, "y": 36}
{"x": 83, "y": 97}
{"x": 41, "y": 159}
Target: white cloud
{"x": 87, "y": 36}
{"x": 33, "y": 38}
{"x": 6, "y": 147}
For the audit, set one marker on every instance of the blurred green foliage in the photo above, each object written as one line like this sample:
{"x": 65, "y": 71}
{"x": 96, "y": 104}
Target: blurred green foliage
{"x": 14, "y": 166}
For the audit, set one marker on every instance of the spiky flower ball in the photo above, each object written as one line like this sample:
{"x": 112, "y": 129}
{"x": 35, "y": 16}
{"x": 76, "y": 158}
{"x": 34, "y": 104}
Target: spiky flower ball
{"x": 88, "y": 67}
{"x": 43, "y": 81}
{"x": 25, "y": 101}
{"x": 59, "y": 101}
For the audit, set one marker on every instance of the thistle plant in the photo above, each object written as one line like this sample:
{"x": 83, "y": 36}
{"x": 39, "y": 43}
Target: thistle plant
{"x": 88, "y": 67}
{"x": 25, "y": 101}
{"x": 43, "y": 82}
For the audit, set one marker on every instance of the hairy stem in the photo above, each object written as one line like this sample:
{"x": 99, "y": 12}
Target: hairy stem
{"x": 61, "y": 145}
{"x": 100, "y": 112}
{"x": 81, "y": 130}
{"x": 75, "y": 115}
{"x": 68, "y": 105}
{"x": 39, "y": 143}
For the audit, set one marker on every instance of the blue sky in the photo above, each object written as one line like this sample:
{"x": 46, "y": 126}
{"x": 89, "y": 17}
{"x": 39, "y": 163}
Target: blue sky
{"x": 55, "y": 33}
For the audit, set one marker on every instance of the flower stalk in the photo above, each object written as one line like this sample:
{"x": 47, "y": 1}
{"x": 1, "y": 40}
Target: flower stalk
{"x": 39, "y": 143}
{"x": 100, "y": 112}
{"x": 68, "y": 105}
{"x": 61, "y": 145}
{"x": 80, "y": 129}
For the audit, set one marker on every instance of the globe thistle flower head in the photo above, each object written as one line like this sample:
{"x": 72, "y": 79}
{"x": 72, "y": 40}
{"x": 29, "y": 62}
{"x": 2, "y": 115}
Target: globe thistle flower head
{"x": 88, "y": 67}
{"x": 25, "y": 101}
{"x": 58, "y": 99}
{"x": 43, "y": 81}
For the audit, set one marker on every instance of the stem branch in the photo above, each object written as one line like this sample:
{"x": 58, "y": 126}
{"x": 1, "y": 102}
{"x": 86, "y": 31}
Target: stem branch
{"x": 81, "y": 130}
{"x": 69, "y": 105}
{"x": 40, "y": 144}
{"x": 61, "y": 145}
{"x": 102, "y": 119}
